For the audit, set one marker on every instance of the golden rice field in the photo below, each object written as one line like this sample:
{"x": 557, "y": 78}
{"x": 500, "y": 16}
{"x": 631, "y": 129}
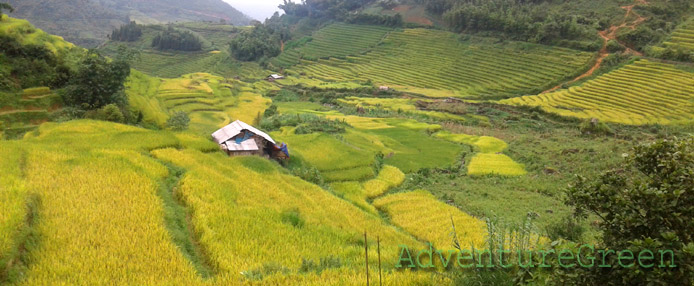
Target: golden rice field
{"x": 428, "y": 219}
{"x": 27, "y": 34}
{"x": 100, "y": 219}
{"x": 358, "y": 192}
{"x": 488, "y": 160}
{"x": 645, "y": 92}
{"x": 682, "y": 37}
{"x": 407, "y": 61}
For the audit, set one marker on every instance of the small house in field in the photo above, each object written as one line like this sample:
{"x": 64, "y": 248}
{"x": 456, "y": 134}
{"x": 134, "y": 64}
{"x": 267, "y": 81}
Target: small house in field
{"x": 241, "y": 139}
{"x": 274, "y": 77}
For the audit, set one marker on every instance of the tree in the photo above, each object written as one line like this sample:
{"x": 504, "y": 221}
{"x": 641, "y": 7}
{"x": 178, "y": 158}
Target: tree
{"x": 647, "y": 205}
{"x": 5, "y": 6}
{"x": 99, "y": 81}
{"x": 178, "y": 121}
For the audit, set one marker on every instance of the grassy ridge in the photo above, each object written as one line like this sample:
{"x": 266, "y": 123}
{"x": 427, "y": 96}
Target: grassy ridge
{"x": 27, "y": 34}
{"x": 644, "y": 92}
{"x": 408, "y": 60}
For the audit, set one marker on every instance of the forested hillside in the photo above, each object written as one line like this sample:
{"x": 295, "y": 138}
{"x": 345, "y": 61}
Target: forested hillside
{"x": 88, "y": 22}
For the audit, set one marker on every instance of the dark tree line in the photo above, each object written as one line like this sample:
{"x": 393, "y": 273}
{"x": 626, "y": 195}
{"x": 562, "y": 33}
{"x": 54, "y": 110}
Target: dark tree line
{"x": 263, "y": 41}
{"x": 519, "y": 20}
{"x": 369, "y": 19}
{"x": 334, "y": 9}
{"x": 173, "y": 39}
{"x": 99, "y": 81}
{"x": 127, "y": 33}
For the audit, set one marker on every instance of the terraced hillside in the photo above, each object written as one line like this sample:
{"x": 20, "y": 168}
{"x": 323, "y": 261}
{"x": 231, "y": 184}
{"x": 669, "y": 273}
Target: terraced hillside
{"x": 336, "y": 40}
{"x": 22, "y": 112}
{"x": 213, "y": 58}
{"x": 210, "y": 101}
{"x": 147, "y": 207}
{"x": 438, "y": 64}
{"x": 644, "y": 92}
{"x": 682, "y": 37}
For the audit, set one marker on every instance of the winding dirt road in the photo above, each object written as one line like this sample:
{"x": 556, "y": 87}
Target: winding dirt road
{"x": 611, "y": 34}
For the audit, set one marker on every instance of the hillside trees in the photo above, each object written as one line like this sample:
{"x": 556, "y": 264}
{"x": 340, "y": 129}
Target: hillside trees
{"x": 127, "y": 33}
{"x": 24, "y": 66}
{"x": 99, "y": 81}
{"x": 261, "y": 42}
{"x": 649, "y": 204}
{"x": 174, "y": 39}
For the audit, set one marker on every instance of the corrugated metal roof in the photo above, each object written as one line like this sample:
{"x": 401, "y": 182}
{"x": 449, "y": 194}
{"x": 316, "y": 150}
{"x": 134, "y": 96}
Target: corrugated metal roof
{"x": 230, "y": 131}
{"x": 248, "y": 145}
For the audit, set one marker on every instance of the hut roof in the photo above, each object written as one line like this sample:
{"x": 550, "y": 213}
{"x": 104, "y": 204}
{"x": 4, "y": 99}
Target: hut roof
{"x": 248, "y": 145}
{"x": 235, "y": 128}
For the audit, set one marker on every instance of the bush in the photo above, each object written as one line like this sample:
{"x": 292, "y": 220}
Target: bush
{"x": 595, "y": 127}
{"x": 568, "y": 228}
{"x": 305, "y": 123}
{"x": 293, "y": 217}
{"x": 614, "y": 46}
{"x": 111, "y": 113}
{"x": 646, "y": 204}
{"x": 178, "y": 121}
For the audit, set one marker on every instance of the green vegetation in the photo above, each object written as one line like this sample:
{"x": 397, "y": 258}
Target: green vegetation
{"x": 260, "y": 42}
{"x": 127, "y": 33}
{"x": 98, "y": 82}
{"x": 645, "y": 204}
{"x": 178, "y": 121}
{"x": 172, "y": 39}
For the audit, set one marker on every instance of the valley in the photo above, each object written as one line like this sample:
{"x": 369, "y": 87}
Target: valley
{"x": 406, "y": 124}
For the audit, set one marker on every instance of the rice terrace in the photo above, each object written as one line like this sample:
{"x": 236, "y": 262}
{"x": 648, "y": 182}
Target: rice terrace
{"x": 340, "y": 142}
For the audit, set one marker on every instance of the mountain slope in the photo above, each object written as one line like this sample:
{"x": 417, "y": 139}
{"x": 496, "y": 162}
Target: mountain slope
{"x": 88, "y": 22}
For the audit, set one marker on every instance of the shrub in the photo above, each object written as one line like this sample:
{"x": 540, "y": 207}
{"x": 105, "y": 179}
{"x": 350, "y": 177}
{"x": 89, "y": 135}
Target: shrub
{"x": 595, "y": 127}
{"x": 111, "y": 113}
{"x": 568, "y": 228}
{"x": 178, "y": 121}
{"x": 646, "y": 204}
{"x": 293, "y": 217}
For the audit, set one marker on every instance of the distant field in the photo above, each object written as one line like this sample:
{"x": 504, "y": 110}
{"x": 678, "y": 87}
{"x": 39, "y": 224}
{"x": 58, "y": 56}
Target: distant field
{"x": 337, "y": 40}
{"x": 682, "y": 37}
{"x": 644, "y": 92}
{"x": 408, "y": 60}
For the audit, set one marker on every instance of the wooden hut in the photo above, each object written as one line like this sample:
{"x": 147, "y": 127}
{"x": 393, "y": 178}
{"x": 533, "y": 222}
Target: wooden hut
{"x": 241, "y": 139}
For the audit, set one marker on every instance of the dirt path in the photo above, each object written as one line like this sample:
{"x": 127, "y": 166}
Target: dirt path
{"x": 611, "y": 34}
